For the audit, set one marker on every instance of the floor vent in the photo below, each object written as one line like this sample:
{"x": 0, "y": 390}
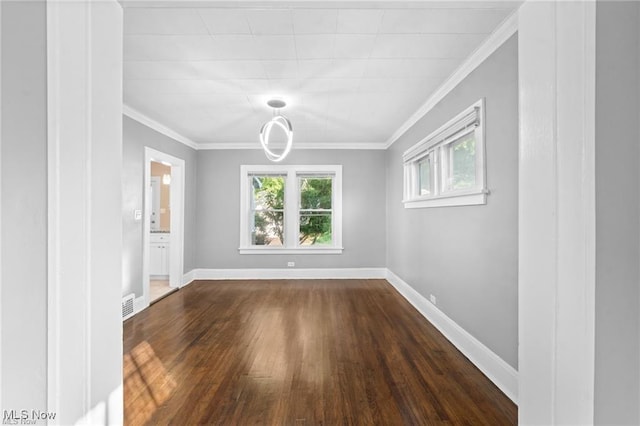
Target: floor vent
{"x": 127, "y": 306}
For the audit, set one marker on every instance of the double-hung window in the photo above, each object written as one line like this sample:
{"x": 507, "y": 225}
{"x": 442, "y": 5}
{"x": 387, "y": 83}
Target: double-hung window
{"x": 291, "y": 209}
{"x": 447, "y": 168}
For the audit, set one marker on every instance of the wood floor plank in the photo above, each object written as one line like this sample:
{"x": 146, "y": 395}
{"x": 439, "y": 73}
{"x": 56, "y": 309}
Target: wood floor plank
{"x": 295, "y": 352}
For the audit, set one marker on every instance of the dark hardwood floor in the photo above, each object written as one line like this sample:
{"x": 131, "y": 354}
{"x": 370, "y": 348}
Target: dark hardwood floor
{"x": 299, "y": 353}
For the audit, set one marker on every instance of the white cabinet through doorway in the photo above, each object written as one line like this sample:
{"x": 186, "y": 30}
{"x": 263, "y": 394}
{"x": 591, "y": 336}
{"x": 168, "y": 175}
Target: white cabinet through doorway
{"x": 159, "y": 254}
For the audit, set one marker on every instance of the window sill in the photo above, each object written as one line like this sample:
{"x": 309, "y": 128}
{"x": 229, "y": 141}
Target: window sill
{"x": 452, "y": 200}
{"x": 284, "y": 250}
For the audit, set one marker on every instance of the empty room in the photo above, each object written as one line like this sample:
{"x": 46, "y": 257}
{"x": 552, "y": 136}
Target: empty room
{"x": 320, "y": 212}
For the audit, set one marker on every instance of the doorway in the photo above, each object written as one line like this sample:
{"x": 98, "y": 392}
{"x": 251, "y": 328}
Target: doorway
{"x": 160, "y": 224}
{"x": 163, "y": 227}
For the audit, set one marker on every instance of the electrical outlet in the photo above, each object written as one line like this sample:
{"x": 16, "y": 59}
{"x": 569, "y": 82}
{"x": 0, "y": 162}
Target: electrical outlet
{"x": 291, "y": 264}
{"x": 432, "y": 298}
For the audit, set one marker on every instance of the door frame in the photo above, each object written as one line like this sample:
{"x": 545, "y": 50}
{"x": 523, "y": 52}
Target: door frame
{"x": 156, "y": 180}
{"x": 84, "y": 196}
{"x": 176, "y": 203}
{"x": 556, "y": 212}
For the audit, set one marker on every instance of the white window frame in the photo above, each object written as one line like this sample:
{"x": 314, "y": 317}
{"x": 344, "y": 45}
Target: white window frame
{"x": 437, "y": 145}
{"x": 291, "y": 208}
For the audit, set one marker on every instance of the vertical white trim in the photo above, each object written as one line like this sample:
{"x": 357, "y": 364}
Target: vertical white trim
{"x": 88, "y": 213}
{"x": 291, "y": 221}
{"x": 1, "y": 333}
{"x": 176, "y": 202}
{"x": 53, "y": 183}
{"x": 156, "y": 180}
{"x": 575, "y": 330}
{"x": 83, "y": 243}
{"x": 244, "y": 207}
{"x": 557, "y": 196}
{"x": 146, "y": 225}
{"x": 67, "y": 29}
{"x": 537, "y": 210}
{"x": 337, "y": 207}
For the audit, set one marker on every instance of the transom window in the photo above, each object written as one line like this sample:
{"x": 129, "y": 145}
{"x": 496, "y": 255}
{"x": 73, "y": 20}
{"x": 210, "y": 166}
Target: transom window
{"x": 291, "y": 209}
{"x": 447, "y": 167}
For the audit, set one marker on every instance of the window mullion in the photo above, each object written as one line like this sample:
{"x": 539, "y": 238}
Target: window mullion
{"x": 437, "y": 171}
{"x": 291, "y": 205}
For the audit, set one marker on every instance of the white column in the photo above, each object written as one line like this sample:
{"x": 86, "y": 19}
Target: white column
{"x": 556, "y": 212}
{"x": 84, "y": 51}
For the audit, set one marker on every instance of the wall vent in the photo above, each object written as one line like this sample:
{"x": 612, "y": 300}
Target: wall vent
{"x": 127, "y": 306}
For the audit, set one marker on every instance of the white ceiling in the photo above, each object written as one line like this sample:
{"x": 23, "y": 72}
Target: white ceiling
{"x": 349, "y": 76}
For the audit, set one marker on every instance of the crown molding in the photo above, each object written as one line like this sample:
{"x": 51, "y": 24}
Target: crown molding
{"x": 319, "y": 145}
{"x": 311, "y": 4}
{"x": 508, "y": 27}
{"x": 134, "y": 114}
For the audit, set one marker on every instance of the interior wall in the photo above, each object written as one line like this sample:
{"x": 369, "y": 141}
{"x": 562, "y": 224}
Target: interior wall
{"x": 218, "y": 207}
{"x": 617, "y": 361}
{"x": 135, "y": 137}
{"x": 467, "y": 256}
{"x": 24, "y": 206}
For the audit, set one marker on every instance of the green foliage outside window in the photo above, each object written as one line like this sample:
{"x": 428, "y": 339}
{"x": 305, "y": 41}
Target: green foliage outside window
{"x": 268, "y": 196}
{"x": 315, "y": 214}
{"x": 464, "y": 163}
{"x": 315, "y": 210}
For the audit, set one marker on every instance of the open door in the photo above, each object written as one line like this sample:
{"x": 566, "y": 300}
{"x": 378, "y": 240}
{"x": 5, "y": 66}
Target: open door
{"x": 163, "y": 227}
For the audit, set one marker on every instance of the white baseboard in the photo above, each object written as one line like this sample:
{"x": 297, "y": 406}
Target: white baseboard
{"x": 139, "y": 305}
{"x": 288, "y": 274}
{"x": 188, "y": 278}
{"x": 495, "y": 368}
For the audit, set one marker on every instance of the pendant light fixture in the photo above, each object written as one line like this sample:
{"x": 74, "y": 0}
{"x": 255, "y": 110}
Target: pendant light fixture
{"x": 283, "y": 123}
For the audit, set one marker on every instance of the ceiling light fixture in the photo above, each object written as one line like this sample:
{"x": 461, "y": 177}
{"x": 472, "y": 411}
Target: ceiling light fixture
{"x": 280, "y": 121}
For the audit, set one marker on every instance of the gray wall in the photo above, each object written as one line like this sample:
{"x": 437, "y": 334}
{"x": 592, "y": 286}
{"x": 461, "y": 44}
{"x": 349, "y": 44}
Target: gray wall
{"x": 467, "y": 256}
{"x": 24, "y": 206}
{"x": 617, "y": 228}
{"x": 218, "y": 207}
{"x": 135, "y": 137}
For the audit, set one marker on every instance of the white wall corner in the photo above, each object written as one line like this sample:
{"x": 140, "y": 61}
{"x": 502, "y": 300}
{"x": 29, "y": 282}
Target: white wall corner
{"x": 289, "y": 274}
{"x": 188, "y": 278}
{"x": 503, "y": 375}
